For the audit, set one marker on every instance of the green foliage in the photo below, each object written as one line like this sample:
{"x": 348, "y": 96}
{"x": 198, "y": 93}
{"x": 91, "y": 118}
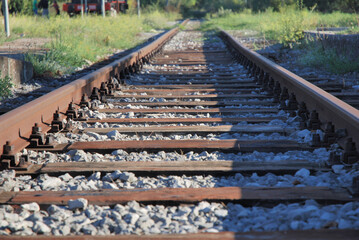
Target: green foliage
{"x": 27, "y": 7}
{"x": 320, "y": 5}
{"x": 290, "y": 27}
{"x": 158, "y": 20}
{"x": 5, "y": 86}
{"x": 15, "y": 6}
{"x": 61, "y": 59}
{"x": 77, "y": 41}
{"x": 224, "y": 12}
{"x": 215, "y": 6}
{"x": 329, "y": 59}
{"x": 285, "y": 26}
{"x": 351, "y": 6}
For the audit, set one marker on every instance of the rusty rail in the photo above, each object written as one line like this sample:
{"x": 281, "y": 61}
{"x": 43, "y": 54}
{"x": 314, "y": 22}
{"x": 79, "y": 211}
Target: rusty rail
{"x": 16, "y": 125}
{"x": 329, "y": 108}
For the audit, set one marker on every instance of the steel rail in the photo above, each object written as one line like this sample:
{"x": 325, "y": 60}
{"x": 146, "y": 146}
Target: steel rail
{"x": 330, "y": 108}
{"x": 19, "y": 122}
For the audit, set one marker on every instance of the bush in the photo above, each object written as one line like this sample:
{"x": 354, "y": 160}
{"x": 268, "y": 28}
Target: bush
{"x": 290, "y": 27}
{"x": 5, "y": 86}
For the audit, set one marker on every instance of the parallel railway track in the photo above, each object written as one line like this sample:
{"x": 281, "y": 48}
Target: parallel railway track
{"x": 189, "y": 129}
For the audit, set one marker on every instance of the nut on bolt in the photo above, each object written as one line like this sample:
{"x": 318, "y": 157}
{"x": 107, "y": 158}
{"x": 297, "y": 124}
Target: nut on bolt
{"x": 8, "y": 148}
{"x": 8, "y": 159}
{"x": 37, "y": 138}
{"x": 350, "y": 155}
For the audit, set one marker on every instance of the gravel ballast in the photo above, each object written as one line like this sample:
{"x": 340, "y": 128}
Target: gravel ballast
{"x": 78, "y": 218}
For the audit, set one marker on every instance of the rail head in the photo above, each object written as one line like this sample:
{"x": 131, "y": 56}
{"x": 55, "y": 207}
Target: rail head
{"x": 329, "y": 108}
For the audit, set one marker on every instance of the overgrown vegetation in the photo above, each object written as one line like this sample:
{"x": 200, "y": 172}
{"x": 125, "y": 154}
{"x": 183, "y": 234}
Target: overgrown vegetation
{"x": 285, "y": 26}
{"x": 212, "y": 6}
{"x": 315, "y": 55}
{"x": 5, "y": 86}
{"x": 77, "y": 41}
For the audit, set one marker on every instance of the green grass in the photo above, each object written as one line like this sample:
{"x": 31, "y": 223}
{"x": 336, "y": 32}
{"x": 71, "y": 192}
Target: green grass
{"x": 285, "y": 27}
{"x": 76, "y": 41}
{"x": 314, "y": 55}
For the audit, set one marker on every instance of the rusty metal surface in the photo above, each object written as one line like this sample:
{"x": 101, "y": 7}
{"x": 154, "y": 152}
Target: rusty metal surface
{"x": 170, "y": 167}
{"x": 195, "y": 103}
{"x": 204, "y": 96}
{"x": 209, "y": 85}
{"x": 191, "y": 110}
{"x": 180, "y": 195}
{"x": 328, "y": 106}
{"x": 23, "y": 118}
{"x": 192, "y": 145}
{"x": 185, "y": 90}
{"x": 184, "y": 120}
{"x": 192, "y": 129}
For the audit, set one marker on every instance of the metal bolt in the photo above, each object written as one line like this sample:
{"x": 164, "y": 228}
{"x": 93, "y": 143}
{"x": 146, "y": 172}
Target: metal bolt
{"x": 329, "y": 134}
{"x": 303, "y": 111}
{"x": 314, "y": 123}
{"x": 36, "y": 129}
{"x": 84, "y": 101}
{"x": 56, "y": 124}
{"x": 350, "y": 155}
{"x": 95, "y": 95}
{"x": 71, "y": 112}
{"x": 103, "y": 89}
{"x": 284, "y": 95}
{"x": 316, "y": 140}
{"x": 277, "y": 90}
{"x": 8, "y": 149}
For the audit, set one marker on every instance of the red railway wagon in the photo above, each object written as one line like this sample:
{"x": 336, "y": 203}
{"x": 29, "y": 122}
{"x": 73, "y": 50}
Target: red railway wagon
{"x": 94, "y": 6}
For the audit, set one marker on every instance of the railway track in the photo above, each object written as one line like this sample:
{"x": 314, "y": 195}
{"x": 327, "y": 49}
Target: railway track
{"x": 194, "y": 137}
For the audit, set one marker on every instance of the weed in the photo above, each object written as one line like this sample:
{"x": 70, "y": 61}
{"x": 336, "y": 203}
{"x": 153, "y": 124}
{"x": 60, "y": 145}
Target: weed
{"x": 317, "y": 56}
{"x": 5, "y": 86}
{"x": 76, "y": 41}
{"x": 285, "y": 26}
{"x": 290, "y": 27}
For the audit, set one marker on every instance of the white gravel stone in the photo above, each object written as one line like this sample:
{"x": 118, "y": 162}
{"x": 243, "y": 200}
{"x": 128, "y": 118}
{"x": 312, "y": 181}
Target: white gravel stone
{"x": 337, "y": 168}
{"x": 51, "y": 183}
{"x": 221, "y": 213}
{"x": 127, "y": 176}
{"x": 34, "y": 207}
{"x": 41, "y": 228}
{"x": 110, "y": 177}
{"x": 302, "y": 173}
{"x": 78, "y": 203}
{"x": 113, "y": 134}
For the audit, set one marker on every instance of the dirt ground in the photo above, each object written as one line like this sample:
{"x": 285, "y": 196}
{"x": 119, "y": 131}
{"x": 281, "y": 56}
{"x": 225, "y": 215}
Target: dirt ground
{"x": 17, "y": 48}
